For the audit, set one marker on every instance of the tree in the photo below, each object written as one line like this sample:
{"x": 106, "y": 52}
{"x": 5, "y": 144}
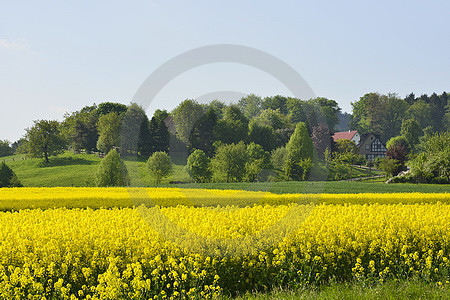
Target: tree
{"x": 229, "y": 162}
{"x": 184, "y": 116}
{"x": 399, "y": 140}
{"x": 130, "y": 129}
{"x": 112, "y": 171}
{"x": 160, "y": 166}
{"x": 299, "y": 154}
{"x": 160, "y": 136}
{"x": 412, "y": 132}
{"x": 250, "y": 106}
{"x": 263, "y": 135}
{"x": 432, "y": 165}
{"x": 278, "y": 158}
{"x": 109, "y": 107}
{"x": 321, "y": 139}
{"x": 145, "y": 141}
{"x": 5, "y": 149}
{"x": 398, "y": 153}
{"x": 198, "y": 166}
{"x": 44, "y": 139}
{"x": 202, "y": 135}
{"x": 258, "y": 160}
{"x": 329, "y": 110}
{"x": 296, "y": 110}
{"x": 80, "y": 128}
{"x": 272, "y": 118}
{"x": 109, "y": 130}
{"x": 234, "y": 126}
{"x": 421, "y": 112}
{"x": 7, "y": 177}
{"x": 347, "y": 152}
{"x": 276, "y": 102}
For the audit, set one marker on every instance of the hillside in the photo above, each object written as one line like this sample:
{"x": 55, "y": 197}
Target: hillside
{"x": 71, "y": 169}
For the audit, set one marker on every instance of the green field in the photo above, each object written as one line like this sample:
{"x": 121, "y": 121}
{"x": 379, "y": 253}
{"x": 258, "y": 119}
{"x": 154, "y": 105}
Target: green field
{"x": 405, "y": 289}
{"x": 79, "y": 170}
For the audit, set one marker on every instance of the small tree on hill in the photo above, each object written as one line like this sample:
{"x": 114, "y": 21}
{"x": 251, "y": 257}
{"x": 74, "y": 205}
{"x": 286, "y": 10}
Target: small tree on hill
{"x": 198, "y": 166}
{"x": 112, "y": 171}
{"x": 7, "y": 177}
{"x": 160, "y": 166}
{"x": 44, "y": 139}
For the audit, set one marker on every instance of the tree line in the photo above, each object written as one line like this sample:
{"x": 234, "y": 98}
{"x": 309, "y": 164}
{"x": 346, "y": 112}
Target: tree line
{"x": 270, "y": 126}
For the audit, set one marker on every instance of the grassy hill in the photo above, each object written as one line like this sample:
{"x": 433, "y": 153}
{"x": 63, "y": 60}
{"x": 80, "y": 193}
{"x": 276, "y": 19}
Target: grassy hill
{"x": 71, "y": 169}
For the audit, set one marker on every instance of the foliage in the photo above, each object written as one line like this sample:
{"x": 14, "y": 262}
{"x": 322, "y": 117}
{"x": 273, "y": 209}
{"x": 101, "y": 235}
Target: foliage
{"x": 233, "y": 128}
{"x": 321, "y": 139}
{"x": 112, "y": 171}
{"x": 198, "y": 166}
{"x": 272, "y": 118}
{"x": 300, "y": 144}
{"x": 412, "y": 132}
{"x": 160, "y": 136}
{"x": 160, "y": 166}
{"x": 185, "y": 115}
{"x": 202, "y": 135}
{"x": 250, "y": 106}
{"x": 7, "y": 177}
{"x": 5, "y": 148}
{"x": 278, "y": 158}
{"x": 277, "y": 102}
{"x": 433, "y": 164}
{"x": 398, "y": 141}
{"x": 109, "y": 132}
{"x": 80, "y": 128}
{"x": 109, "y": 107}
{"x": 258, "y": 160}
{"x": 44, "y": 139}
{"x": 391, "y": 166}
{"x": 297, "y": 169}
{"x": 132, "y": 129}
{"x": 263, "y": 135}
{"x": 229, "y": 162}
{"x": 329, "y": 110}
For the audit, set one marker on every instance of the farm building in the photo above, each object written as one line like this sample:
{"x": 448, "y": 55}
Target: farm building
{"x": 370, "y": 145}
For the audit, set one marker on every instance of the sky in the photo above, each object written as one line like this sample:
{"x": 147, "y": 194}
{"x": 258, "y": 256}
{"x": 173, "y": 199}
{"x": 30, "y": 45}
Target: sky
{"x": 58, "y": 56}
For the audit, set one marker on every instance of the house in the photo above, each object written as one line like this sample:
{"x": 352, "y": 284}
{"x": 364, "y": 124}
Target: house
{"x": 371, "y": 147}
{"x": 347, "y": 135}
{"x": 369, "y": 144}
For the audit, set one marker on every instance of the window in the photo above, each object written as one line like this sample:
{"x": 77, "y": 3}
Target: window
{"x": 377, "y": 146}
{"x": 367, "y": 147}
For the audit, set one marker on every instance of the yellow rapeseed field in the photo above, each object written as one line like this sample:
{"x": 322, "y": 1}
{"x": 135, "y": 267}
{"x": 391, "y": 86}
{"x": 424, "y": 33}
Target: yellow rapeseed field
{"x": 178, "y": 249}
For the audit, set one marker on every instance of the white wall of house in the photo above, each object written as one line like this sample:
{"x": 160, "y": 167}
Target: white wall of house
{"x": 356, "y": 138}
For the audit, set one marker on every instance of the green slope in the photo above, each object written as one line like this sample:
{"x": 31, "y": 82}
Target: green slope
{"x": 69, "y": 169}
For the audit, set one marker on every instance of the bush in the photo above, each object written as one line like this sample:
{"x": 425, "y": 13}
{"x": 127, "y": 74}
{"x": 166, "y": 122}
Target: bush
{"x": 112, "y": 171}
{"x": 7, "y": 177}
{"x": 5, "y": 148}
{"x": 160, "y": 166}
{"x": 198, "y": 166}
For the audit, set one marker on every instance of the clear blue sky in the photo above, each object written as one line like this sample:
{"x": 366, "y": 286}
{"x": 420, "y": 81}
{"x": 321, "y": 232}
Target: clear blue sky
{"x": 58, "y": 56}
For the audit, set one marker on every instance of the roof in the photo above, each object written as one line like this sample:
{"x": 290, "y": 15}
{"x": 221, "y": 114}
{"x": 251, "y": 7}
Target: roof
{"x": 344, "y": 135}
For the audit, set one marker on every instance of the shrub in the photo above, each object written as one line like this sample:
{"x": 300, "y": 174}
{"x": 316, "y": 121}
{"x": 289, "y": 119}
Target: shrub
{"x": 7, "y": 177}
{"x": 198, "y": 166}
{"x": 112, "y": 171}
{"x": 160, "y": 166}
{"x": 229, "y": 162}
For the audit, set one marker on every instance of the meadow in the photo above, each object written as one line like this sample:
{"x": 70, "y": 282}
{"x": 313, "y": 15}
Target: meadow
{"x": 199, "y": 243}
{"x": 79, "y": 170}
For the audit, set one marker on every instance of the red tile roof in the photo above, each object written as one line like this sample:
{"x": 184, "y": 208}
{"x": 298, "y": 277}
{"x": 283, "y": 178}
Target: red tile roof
{"x": 344, "y": 135}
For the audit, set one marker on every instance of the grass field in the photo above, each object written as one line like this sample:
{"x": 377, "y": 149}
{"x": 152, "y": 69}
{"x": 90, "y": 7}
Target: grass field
{"x": 394, "y": 290}
{"x": 79, "y": 170}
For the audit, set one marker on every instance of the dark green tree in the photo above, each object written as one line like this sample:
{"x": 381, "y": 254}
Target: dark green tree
{"x": 263, "y": 135}
{"x": 109, "y": 107}
{"x": 233, "y": 127}
{"x": 7, "y": 177}
{"x": 412, "y": 132}
{"x": 112, "y": 171}
{"x": 299, "y": 154}
{"x": 44, "y": 139}
{"x": 5, "y": 148}
{"x": 276, "y": 102}
{"x": 202, "y": 135}
{"x": 80, "y": 128}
